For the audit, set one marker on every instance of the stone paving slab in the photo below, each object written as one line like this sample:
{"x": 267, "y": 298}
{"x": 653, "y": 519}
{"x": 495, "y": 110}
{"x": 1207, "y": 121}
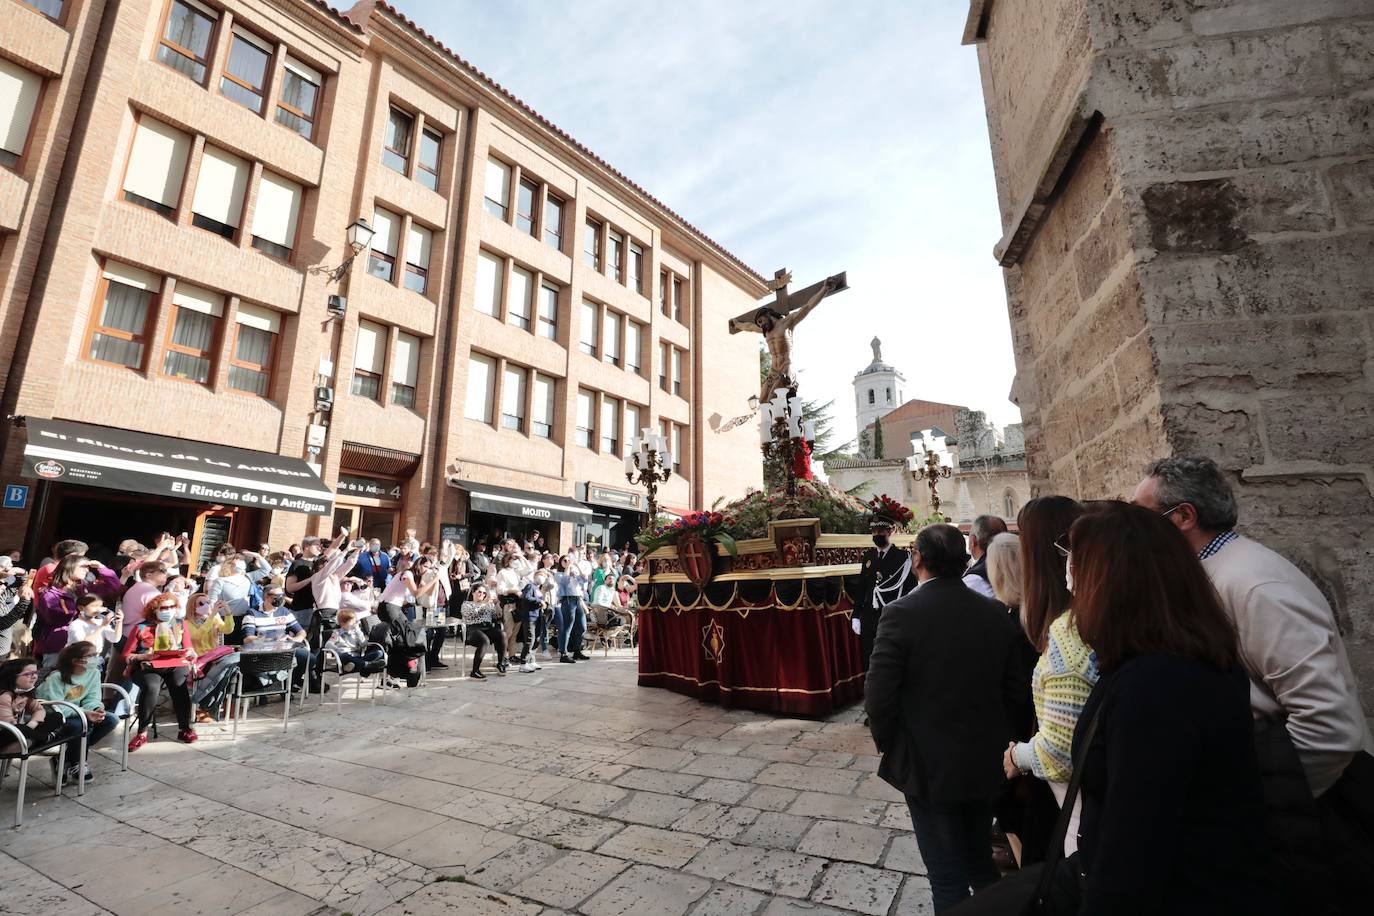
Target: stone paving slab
{"x": 570, "y": 790}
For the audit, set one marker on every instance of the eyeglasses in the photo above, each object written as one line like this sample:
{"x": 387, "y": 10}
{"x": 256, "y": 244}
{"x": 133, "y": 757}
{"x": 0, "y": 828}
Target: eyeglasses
{"x": 1061, "y": 544}
{"x": 33, "y": 673}
{"x": 1174, "y": 508}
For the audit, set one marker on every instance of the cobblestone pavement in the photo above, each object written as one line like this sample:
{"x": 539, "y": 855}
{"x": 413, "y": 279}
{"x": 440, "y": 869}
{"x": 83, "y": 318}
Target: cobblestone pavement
{"x": 566, "y": 790}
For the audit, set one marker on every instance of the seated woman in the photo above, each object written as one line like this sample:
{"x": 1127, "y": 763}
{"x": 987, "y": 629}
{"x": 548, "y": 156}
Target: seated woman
{"x": 483, "y": 620}
{"x": 19, "y": 707}
{"x": 76, "y": 679}
{"x": 160, "y": 630}
{"x": 208, "y": 623}
{"x": 352, "y": 644}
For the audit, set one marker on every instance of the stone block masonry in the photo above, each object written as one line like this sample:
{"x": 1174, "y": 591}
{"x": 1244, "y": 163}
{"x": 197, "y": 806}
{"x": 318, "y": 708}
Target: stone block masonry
{"x": 1201, "y": 277}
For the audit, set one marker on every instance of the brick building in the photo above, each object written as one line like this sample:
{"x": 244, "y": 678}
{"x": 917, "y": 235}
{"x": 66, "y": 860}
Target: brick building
{"x": 1188, "y": 244}
{"x": 178, "y": 180}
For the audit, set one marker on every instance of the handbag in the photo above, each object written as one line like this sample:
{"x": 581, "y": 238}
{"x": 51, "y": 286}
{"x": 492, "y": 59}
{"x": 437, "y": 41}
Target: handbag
{"x": 1050, "y": 887}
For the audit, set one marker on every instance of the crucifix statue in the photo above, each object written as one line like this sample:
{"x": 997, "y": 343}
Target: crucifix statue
{"x": 776, "y": 321}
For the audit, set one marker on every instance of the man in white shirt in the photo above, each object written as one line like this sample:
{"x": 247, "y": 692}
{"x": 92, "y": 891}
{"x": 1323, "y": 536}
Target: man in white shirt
{"x": 981, "y": 533}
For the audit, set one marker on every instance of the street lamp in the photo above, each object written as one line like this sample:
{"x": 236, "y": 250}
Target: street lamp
{"x": 930, "y": 465}
{"x": 359, "y": 235}
{"x": 648, "y": 463}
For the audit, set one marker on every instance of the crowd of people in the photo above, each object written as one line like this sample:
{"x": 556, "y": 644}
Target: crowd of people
{"x": 1158, "y": 712}
{"x": 148, "y": 622}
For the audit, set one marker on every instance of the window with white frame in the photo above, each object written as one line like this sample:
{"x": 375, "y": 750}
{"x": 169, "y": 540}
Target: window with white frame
{"x": 19, "y": 91}
{"x": 497, "y": 193}
{"x": 520, "y": 299}
{"x": 480, "y": 389}
{"x": 220, "y": 190}
{"x": 591, "y": 322}
{"x": 368, "y": 357}
{"x": 586, "y": 418}
{"x": 276, "y": 214}
{"x": 634, "y": 346}
{"x": 405, "y": 369}
{"x": 189, "y": 351}
{"x": 251, "y": 361}
{"x": 548, "y": 311}
{"x": 157, "y": 166}
{"x": 541, "y": 423}
{"x": 610, "y": 425}
{"x": 611, "y": 347}
{"x": 381, "y": 257}
{"x": 489, "y": 270}
{"x": 513, "y": 398}
{"x": 677, "y": 373}
{"x": 676, "y": 447}
{"x": 634, "y": 423}
{"x": 418, "y": 242}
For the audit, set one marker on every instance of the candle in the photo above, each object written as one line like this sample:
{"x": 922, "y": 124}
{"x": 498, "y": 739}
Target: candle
{"x": 810, "y": 431}
{"x": 667, "y": 459}
{"x": 629, "y": 462}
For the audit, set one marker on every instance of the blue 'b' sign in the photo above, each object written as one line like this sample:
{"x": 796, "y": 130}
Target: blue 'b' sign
{"x": 16, "y": 496}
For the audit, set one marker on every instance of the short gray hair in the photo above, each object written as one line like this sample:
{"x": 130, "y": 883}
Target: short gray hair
{"x": 987, "y": 527}
{"x": 1199, "y": 482}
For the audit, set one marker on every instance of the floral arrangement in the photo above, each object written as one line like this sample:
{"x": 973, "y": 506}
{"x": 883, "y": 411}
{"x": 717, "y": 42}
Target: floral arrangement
{"x": 838, "y": 512}
{"x": 714, "y": 528}
{"x": 888, "y": 507}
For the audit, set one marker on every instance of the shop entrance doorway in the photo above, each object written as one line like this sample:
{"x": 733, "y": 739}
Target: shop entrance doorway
{"x": 367, "y": 522}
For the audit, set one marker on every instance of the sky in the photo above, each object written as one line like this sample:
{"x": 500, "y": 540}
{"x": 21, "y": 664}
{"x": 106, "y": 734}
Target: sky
{"x": 817, "y": 135}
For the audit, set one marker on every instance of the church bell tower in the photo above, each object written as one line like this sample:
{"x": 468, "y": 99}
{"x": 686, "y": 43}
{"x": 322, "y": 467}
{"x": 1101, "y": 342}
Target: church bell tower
{"x": 878, "y": 390}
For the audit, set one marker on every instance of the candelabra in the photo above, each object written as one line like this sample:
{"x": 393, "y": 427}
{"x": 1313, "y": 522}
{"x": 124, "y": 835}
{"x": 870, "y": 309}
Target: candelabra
{"x": 930, "y": 465}
{"x": 782, "y": 432}
{"x": 648, "y": 463}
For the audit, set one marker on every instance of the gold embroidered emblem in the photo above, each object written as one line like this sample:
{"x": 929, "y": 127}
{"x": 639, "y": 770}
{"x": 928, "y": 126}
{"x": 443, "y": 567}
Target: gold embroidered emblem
{"x": 713, "y": 641}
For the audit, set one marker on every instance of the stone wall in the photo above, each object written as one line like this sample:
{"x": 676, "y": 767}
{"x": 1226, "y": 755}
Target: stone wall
{"x": 1191, "y": 268}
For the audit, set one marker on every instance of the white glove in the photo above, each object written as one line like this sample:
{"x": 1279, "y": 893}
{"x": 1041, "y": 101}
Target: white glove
{"x": 854, "y": 623}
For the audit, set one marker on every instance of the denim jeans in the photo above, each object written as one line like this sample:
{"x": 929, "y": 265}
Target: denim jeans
{"x": 367, "y": 662}
{"x": 71, "y": 729}
{"x": 571, "y": 624}
{"x": 955, "y": 842}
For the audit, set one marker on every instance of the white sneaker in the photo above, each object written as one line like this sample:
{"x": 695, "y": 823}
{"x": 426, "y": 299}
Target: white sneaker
{"x": 529, "y": 668}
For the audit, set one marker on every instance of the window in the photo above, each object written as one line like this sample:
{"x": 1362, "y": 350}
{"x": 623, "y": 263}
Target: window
{"x": 396, "y": 148}
{"x": 418, "y": 243}
{"x": 120, "y": 332}
{"x": 611, "y": 346}
{"x": 220, "y": 190}
{"x": 617, "y": 255}
{"x": 489, "y": 270}
{"x": 665, "y": 357}
{"x": 520, "y": 298}
{"x": 591, "y": 318}
{"x": 481, "y": 375}
{"x": 525, "y": 197}
{"x": 610, "y": 426}
{"x": 405, "y": 370}
{"x": 367, "y": 360}
{"x": 498, "y": 188}
{"x": 553, "y": 222}
{"x": 50, "y": 8}
{"x": 541, "y": 424}
{"x": 677, "y": 372}
{"x": 274, "y": 219}
{"x": 245, "y": 72}
{"x": 185, "y": 44}
{"x": 300, "y": 93}
{"x": 633, "y": 420}
{"x": 19, "y": 90}
{"x": 634, "y": 346}
{"x": 513, "y": 399}
{"x": 663, "y": 293}
{"x": 381, "y": 257}
{"x": 872, "y": 398}
{"x": 889, "y": 395}
{"x": 427, "y": 169}
{"x": 1009, "y": 503}
{"x": 195, "y": 326}
{"x": 548, "y": 311}
{"x": 157, "y": 166}
{"x": 675, "y": 446}
{"x": 256, "y": 331}
{"x": 677, "y": 298}
{"x": 591, "y": 245}
{"x": 636, "y": 268}
{"x": 586, "y": 418}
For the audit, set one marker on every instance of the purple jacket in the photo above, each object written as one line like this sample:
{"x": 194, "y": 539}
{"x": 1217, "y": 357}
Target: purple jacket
{"x": 57, "y": 608}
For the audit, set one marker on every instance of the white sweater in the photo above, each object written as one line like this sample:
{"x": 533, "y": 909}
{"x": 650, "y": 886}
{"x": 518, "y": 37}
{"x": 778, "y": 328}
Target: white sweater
{"x": 1295, "y": 655}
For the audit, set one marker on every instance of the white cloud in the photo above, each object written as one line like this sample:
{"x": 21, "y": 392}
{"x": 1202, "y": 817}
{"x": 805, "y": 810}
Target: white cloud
{"x": 807, "y": 133}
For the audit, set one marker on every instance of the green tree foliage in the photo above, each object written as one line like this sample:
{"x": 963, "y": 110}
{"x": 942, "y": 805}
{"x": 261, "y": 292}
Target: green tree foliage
{"x": 822, "y": 415}
{"x": 879, "y": 447}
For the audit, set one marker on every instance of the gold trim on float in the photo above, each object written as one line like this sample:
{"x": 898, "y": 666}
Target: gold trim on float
{"x": 718, "y": 684}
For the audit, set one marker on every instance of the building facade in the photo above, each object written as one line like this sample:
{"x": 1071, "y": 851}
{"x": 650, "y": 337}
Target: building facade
{"x": 178, "y": 184}
{"x": 877, "y": 392}
{"x": 1188, "y": 231}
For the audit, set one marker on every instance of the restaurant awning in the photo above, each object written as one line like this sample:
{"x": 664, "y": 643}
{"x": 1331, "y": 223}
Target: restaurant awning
{"x": 504, "y": 501}
{"x": 118, "y": 459}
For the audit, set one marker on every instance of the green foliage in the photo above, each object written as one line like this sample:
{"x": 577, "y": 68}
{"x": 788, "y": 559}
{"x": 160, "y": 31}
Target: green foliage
{"x": 838, "y": 512}
{"x": 879, "y": 447}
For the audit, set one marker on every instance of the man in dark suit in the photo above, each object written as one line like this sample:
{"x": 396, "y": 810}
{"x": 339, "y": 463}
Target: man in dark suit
{"x": 374, "y": 564}
{"x": 941, "y": 684}
{"x": 885, "y": 576}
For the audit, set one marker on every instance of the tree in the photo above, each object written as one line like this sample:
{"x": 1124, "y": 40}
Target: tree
{"x": 879, "y": 447}
{"x": 821, "y": 415}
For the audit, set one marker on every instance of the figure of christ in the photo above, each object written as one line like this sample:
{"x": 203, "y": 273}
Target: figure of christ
{"x": 777, "y": 329}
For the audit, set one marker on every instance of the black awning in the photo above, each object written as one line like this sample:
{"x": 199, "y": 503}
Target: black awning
{"x": 522, "y": 504}
{"x": 118, "y": 459}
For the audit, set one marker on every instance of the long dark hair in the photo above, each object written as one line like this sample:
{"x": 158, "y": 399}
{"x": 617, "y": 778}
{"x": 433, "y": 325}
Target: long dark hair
{"x": 9, "y": 673}
{"x": 68, "y": 657}
{"x": 1139, "y": 587}
{"x": 1044, "y": 593}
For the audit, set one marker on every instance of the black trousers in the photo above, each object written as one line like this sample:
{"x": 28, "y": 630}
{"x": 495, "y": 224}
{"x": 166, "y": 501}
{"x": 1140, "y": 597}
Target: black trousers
{"x": 482, "y": 636}
{"x": 150, "y": 683}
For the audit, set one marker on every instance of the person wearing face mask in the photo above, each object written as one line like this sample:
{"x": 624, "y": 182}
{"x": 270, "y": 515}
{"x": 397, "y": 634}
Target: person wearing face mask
{"x": 75, "y": 576}
{"x": 374, "y": 565}
{"x": 207, "y": 624}
{"x": 1067, "y": 669}
{"x": 19, "y": 706}
{"x": 92, "y": 625}
{"x": 884, "y": 576}
{"x": 76, "y": 679}
{"x": 159, "y": 630}
{"x": 274, "y": 622}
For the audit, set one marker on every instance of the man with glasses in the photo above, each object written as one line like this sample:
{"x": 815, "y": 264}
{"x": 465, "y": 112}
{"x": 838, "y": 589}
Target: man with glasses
{"x": 1301, "y": 680}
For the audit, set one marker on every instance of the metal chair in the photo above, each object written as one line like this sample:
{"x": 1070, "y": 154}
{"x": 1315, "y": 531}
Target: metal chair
{"x": 127, "y": 719}
{"x": 252, "y": 667}
{"x": 54, "y": 745}
{"x": 375, "y": 678}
